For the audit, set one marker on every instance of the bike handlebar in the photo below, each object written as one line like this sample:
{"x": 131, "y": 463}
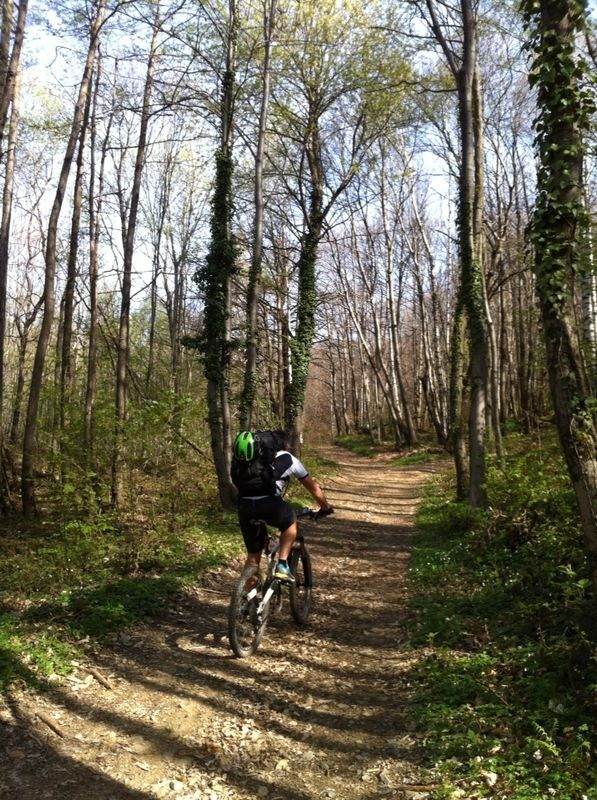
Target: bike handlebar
{"x": 315, "y": 514}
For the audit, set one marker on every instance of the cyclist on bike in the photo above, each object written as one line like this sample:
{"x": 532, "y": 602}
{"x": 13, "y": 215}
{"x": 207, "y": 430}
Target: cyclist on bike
{"x": 266, "y": 501}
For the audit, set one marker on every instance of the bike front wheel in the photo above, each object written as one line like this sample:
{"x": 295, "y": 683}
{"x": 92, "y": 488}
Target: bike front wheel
{"x": 300, "y": 592}
{"x": 245, "y": 630}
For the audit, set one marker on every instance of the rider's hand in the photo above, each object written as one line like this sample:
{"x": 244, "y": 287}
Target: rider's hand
{"x": 323, "y": 512}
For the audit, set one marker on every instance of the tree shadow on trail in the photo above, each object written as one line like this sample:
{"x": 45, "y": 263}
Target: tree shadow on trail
{"x": 34, "y": 767}
{"x": 39, "y": 765}
{"x": 334, "y": 686}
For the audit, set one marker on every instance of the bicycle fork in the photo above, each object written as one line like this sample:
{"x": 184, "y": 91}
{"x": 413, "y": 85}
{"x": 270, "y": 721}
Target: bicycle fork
{"x": 262, "y": 609}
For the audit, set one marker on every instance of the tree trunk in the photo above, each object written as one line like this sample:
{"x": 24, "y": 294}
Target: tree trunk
{"x": 470, "y": 195}
{"x": 434, "y": 381}
{"x": 95, "y": 209}
{"x": 10, "y": 74}
{"x": 118, "y": 456}
{"x": 588, "y": 300}
{"x": 470, "y": 201}
{"x": 68, "y": 299}
{"x": 374, "y": 353}
{"x": 559, "y": 228}
{"x": 301, "y": 343}
{"x": 10, "y": 60}
{"x": 27, "y": 480}
{"x": 408, "y": 427}
{"x": 250, "y": 379}
{"x": 6, "y": 501}
{"x": 185, "y": 228}
{"x": 456, "y": 405}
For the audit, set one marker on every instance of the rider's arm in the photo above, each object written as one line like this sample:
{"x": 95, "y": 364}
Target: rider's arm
{"x": 316, "y": 492}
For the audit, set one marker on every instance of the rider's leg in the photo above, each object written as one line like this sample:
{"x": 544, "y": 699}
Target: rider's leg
{"x": 253, "y": 559}
{"x": 253, "y": 535}
{"x": 287, "y": 539}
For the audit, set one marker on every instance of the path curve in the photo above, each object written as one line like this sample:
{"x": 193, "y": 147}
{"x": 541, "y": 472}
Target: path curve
{"x": 319, "y": 713}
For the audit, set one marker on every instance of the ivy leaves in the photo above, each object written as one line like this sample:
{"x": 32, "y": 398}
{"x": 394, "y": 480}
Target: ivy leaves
{"x": 566, "y": 100}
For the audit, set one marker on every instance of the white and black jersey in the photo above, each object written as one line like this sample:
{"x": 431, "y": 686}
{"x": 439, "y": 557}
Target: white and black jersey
{"x": 285, "y": 466}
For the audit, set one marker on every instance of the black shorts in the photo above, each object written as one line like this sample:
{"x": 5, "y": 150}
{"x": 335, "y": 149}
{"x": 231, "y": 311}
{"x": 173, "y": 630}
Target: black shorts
{"x": 273, "y": 510}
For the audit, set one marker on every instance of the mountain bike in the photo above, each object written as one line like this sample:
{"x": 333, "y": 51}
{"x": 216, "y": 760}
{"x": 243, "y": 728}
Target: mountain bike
{"x": 257, "y": 594}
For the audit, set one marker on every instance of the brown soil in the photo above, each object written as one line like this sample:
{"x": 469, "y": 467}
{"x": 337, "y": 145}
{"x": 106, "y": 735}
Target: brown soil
{"x": 319, "y": 712}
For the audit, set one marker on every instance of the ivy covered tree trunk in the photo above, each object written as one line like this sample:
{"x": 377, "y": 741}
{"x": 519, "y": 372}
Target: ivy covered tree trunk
{"x": 559, "y": 230}
{"x": 302, "y": 342}
{"x": 457, "y": 441}
{"x": 214, "y": 278}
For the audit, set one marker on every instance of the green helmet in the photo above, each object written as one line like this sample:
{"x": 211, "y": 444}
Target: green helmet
{"x": 244, "y": 446}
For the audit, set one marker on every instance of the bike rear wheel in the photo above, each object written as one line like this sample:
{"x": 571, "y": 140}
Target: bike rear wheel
{"x": 245, "y": 631}
{"x": 300, "y": 592}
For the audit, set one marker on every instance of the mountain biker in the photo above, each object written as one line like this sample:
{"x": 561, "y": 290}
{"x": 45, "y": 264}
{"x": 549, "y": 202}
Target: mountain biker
{"x": 272, "y": 508}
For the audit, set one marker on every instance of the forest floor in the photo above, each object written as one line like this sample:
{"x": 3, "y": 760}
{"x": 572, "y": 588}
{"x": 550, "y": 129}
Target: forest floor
{"x": 166, "y": 712}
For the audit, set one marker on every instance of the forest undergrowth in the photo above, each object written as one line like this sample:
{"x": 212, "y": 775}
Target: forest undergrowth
{"x": 506, "y": 695}
{"x": 501, "y": 616}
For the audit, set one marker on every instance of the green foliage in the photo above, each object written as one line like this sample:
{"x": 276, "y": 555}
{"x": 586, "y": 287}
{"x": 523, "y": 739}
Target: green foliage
{"x": 158, "y": 422}
{"x": 57, "y": 554}
{"x": 107, "y": 609}
{"x": 93, "y": 578}
{"x": 418, "y": 457}
{"x": 27, "y": 654}
{"x": 507, "y": 693}
{"x": 363, "y": 445}
{"x": 320, "y": 466}
{"x": 356, "y": 443}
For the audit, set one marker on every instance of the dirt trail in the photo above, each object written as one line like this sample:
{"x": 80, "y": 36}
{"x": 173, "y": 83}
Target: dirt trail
{"x": 318, "y": 713}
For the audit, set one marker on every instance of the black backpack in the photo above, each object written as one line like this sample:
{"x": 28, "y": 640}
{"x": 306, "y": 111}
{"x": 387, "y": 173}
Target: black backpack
{"x": 256, "y": 478}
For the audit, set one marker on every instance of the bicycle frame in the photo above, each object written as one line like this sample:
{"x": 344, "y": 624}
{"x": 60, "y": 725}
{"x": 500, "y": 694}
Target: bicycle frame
{"x": 272, "y": 583}
{"x": 256, "y": 594}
